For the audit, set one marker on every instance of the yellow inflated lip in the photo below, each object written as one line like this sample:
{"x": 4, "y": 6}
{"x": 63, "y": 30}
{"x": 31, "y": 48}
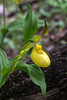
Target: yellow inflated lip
{"x": 41, "y": 59}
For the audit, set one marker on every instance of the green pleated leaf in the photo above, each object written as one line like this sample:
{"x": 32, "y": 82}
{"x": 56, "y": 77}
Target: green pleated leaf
{"x": 35, "y": 74}
{"x": 21, "y": 66}
{"x": 16, "y": 25}
{"x": 37, "y": 77}
{"x": 29, "y": 26}
{"x": 4, "y": 74}
{"x": 3, "y": 59}
{"x": 4, "y": 67}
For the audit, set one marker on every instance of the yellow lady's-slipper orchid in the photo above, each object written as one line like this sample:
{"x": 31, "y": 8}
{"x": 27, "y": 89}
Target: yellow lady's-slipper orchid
{"x": 17, "y": 1}
{"x": 39, "y": 57}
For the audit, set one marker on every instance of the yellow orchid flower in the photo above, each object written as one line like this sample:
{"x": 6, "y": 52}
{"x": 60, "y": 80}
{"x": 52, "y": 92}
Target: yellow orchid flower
{"x": 17, "y": 1}
{"x": 39, "y": 57}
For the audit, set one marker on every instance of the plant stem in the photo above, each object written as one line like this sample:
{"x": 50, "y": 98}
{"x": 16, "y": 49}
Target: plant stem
{"x": 18, "y": 8}
{"x": 4, "y": 17}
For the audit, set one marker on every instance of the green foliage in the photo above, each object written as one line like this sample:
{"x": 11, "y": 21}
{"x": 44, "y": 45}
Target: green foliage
{"x": 45, "y": 13}
{"x": 9, "y": 43}
{"x": 35, "y": 74}
{"x": 3, "y": 59}
{"x": 16, "y": 25}
{"x": 4, "y": 31}
{"x": 2, "y": 35}
{"x": 4, "y": 75}
{"x": 60, "y": 23}
{"x": 60, "y": 5}
{"x": 29, "y": 26}
{"x": 38, "y": 78}
{"x": 4, "y": 67}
